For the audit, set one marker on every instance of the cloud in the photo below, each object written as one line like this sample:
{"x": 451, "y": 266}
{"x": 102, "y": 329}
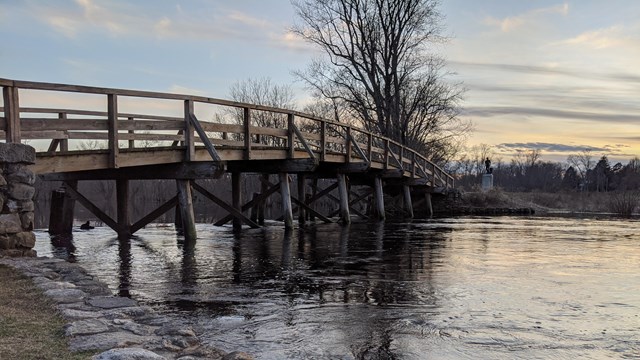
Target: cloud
{"x": 614, "y": 36}
{"x": 552, "y": 147}
{"x": 511, "y": 23}
{"x": 490, "y": 111}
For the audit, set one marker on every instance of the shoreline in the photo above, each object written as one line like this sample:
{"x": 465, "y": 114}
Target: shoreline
{"x": 117, "y": 327}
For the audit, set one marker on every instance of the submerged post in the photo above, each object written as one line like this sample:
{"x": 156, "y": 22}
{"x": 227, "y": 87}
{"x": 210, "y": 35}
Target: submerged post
{"x": 285, "y": 192}
{"x": 236, "y": 198}
{"x": 344, "y": 199}
{"x": 427, "y": 198}
{"x": 124, "y": 217}
{"x": 185, "y": 201}
{"x": 379, "y": 198}
{"x": 408, "y": 205}
{"x": 302, "y": 196}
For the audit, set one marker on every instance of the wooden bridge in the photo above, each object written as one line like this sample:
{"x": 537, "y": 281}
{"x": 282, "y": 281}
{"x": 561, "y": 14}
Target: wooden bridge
{"x": 186, "y": 138}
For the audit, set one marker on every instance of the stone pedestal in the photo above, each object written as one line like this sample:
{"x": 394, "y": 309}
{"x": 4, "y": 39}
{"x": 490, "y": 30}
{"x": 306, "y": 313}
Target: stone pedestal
{"x": 16, "y": 200}
{"x": 487, "y": 182}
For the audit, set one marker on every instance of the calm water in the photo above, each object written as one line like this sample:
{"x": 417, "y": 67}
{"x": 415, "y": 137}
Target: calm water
{"x": 464, "y": 288}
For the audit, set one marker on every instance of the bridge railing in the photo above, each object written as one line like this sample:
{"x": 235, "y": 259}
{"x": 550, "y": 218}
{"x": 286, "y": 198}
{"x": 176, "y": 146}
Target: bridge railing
{"x": 232, "y": 130}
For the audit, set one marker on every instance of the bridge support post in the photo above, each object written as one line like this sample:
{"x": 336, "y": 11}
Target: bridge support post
{"x": 185, "y": 201}
{"x": 427, "y": 198}
{"x": 285, "y": 192}
{"x": 379, "y": 198}
{"x": 344, "y": 199}
{"x": 124, "y": 218}
{"x": 262, "y": 204}
{"x": 236, "y": 198}
{"x": 408, "y": 205}
{"x": 62, "y": 208}
{"x": 302, "y": 196}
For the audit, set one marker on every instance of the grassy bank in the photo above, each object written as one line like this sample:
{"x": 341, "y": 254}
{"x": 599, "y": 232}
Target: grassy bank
{"x": 30, "y": 328}
{"x": 623, "y": 204}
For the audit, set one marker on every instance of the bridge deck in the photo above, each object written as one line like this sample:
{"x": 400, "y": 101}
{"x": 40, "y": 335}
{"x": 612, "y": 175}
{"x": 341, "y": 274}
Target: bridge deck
{"x": 101, "y": 132}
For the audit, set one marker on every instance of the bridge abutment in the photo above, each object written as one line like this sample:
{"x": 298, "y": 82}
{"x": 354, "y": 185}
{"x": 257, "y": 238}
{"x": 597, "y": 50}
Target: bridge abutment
{"x": 16, "y": 200}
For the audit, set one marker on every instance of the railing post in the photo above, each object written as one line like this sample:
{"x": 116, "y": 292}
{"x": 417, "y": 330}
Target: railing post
{"x": 323, "y": 140}
{"x": 11, "y": 113}
{"x": 370, "y": 147}
{"x": 132, "y": 142}
{"x": 413, "y": 165}
{"x": 112, "y": 118}
{"x": 386, "y": 154}
{"x": 347, "y": 145}
{"x": 189, "y": 139}
{"x": 401, "y": 157}
{"x": 247, "y": 133}
{"x": 290, "y": 135}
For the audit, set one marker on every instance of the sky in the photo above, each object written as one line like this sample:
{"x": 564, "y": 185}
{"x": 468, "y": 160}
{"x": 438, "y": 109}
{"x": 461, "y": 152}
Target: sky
{"x": 558, "y": 76}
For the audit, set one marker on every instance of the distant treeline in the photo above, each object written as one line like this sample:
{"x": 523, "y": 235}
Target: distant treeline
{"x": 527, "y": 172}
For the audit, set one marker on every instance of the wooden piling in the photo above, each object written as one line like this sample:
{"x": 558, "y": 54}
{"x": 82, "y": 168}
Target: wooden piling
{"x": 60, "y": 221}
{"x": 236, "y": 198}
{"x": 254, "y": 209}
{"x": 185, "y": 201}
{"x": 262, "y": 204}
{"x": 408, "y": 205}
{"x": 379, "y": 198}
{"x": 124, "y": 217}
{"x": 344, "y": 199}
{"x": 427, "y": 198}
{"x": 285, "y": 192}
{"x": 302, "y": 195}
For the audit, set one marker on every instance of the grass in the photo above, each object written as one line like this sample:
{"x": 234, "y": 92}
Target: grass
{"x": 30, "y": 327}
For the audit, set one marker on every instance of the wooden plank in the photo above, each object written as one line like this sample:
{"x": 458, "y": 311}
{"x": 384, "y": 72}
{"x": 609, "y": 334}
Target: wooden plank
{"x": 199, "y": 170}
{"x": 311, "y": 210}
{"x": 112, "y": 117}
{"x": 31, "y": 124}
{"x": 169, "y": 205}
{"x": 234, "y": 212}
{"x": 131, "y": 132}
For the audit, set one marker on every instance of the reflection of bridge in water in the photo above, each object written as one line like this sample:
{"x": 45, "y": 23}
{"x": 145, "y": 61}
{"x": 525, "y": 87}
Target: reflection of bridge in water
{"x": 179, "y": 145}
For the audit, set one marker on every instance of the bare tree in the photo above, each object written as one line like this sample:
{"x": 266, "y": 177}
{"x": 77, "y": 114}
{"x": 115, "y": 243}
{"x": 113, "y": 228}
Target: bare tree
{"x": 378, "y": 65}
{"x": 582, "y": 162}
{"x": 262, "y": 91}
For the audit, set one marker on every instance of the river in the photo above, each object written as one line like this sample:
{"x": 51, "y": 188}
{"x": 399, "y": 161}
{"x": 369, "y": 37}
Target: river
{"x": 453, "y": 288}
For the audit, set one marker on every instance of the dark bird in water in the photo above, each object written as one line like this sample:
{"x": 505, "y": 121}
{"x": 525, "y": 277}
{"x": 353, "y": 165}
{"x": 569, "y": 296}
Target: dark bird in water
{"x": 86, "y": 226}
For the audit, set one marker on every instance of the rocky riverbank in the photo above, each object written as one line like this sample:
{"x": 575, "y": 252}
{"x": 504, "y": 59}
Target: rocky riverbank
{"x": 118, "y": 326}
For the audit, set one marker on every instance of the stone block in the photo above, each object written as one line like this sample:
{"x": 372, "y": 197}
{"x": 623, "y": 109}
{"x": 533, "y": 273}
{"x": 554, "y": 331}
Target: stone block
{"x": 10, "y": 206}
{"x": 25, "y": 205}
{"x": 29, "y": 253}
{"x": 7, "y": 242}
{"x": 27, "y": 219}
{"x": 20, "y": 191}
{"x": 128, "y": 353}
{"x": 3, "y": 181}
{"x": 17, "y": 153}
{"x": 19, "y": 173}
{"x": 10, "y": 224}
{"x": 25, "y": 239}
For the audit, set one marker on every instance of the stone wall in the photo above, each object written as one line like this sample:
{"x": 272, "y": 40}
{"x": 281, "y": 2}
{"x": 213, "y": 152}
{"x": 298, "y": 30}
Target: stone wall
{"x": 16, "y": 200}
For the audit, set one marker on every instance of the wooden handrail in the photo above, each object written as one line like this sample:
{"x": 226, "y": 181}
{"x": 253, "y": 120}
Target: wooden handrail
{"x": 131, "y": 122}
